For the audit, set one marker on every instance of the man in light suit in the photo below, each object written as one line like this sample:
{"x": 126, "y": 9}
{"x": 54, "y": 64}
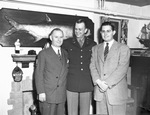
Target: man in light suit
{"x": 109, "y": 74}
{"x": 50, "y": 76}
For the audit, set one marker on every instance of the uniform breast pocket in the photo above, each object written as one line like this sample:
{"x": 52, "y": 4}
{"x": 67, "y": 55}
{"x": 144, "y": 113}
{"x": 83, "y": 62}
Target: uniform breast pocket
{"x": 88, "y": 53}
{"x": 73, "y": 51}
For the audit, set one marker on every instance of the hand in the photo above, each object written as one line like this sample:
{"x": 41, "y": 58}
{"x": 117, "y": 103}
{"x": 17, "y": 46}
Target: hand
{"x": 102, "y": 91}
{"x": 102, "y": 85}
{"x": 42, "y": 97}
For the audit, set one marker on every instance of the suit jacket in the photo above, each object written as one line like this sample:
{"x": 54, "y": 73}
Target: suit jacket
{"x": 79, "y": 77}
{"x": 50, "y": 75}
{"x": 113, "y": 70}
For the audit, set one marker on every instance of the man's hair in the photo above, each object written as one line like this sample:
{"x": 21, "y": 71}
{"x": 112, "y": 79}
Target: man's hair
{"x": 107, "y": 23}
{"x": 81, "y": 20}
{"x": 55, "y": 29}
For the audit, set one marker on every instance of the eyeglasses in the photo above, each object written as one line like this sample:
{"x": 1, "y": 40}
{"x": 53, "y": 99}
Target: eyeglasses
{"x": 107, "y": 31}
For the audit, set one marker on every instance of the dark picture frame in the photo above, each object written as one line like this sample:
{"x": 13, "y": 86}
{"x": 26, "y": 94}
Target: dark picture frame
{"x": 10, "y": 19}
{"x": 117, "y": 25}
{"x": 139, "y": 52}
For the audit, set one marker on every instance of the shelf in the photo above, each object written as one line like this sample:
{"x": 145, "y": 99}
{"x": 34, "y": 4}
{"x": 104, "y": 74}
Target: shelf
{"x": 23, "y": 58}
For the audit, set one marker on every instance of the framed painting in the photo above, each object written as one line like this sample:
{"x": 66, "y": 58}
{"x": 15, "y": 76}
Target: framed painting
{"x": 33, "y": 27}
{"x": 117, "y": 25}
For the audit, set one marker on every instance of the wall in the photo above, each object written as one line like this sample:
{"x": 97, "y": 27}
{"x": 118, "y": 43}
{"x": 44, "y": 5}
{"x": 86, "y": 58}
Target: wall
{"x": 137, "y": 16}
{"x": 81, "y": 8}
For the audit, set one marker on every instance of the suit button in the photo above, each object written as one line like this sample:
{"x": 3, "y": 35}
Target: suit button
{"x": 57, "y": 85}
{"x": 104, "y": 74}
{"x": 81, "y": 69}
{"x": 57, "y": 77}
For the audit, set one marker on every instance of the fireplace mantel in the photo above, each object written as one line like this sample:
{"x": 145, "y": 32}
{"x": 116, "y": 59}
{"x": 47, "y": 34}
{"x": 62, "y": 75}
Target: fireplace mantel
{"x": 24, "y": 59}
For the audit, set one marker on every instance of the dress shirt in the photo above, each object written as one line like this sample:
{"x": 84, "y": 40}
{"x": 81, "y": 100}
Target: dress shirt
{"x": 56, "y": 49}
{"x": 110, "y": 43}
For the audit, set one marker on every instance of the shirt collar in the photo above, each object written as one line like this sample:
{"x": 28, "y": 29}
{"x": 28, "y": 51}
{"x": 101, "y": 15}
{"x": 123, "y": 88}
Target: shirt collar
{"x": 56, "y": 49}
{"x": 110, "y": 43}
{"x": 83, "y": 39}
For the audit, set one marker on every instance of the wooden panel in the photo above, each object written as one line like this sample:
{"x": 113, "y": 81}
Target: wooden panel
{"x": 140, "y": 77}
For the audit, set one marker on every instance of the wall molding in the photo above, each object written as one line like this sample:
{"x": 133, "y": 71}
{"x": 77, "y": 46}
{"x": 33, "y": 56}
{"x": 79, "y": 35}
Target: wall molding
{"x": 85, "y": 9}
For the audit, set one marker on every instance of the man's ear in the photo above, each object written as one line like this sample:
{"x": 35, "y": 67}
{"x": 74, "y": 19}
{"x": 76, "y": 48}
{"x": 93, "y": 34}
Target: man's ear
{"x": 50, "y": 38}
{"x": 86, "y": 30}
{"x": 114, "y": 32}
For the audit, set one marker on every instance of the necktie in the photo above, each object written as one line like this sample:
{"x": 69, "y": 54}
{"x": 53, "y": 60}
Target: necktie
{"x": 59, "y": 54}
{"x": 80, "y": 42}
{"x": 106, "y": 51}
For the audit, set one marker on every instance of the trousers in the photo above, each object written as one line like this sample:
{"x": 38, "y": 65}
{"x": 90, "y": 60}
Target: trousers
{"x": 52, "y": 108}
{"x": 77, "y": 100}
{"x": 105, "y": 108}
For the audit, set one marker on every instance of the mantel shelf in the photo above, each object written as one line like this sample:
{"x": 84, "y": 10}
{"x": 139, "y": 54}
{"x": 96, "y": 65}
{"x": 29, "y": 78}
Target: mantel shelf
{"x": 23, "y": 58}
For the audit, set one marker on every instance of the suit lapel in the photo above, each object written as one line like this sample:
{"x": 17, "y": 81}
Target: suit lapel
{"x": 86, "y": 43}
{"x": 110, "y": 53}
{"x": 55, "y": 59}
{"x": 56, "y": 56}
{"x": 63, "y": 62}
{"x": 62, "y": 57}
{"x": 112, "y": 49}
{"x": 75, "y": 42}
{"x": 100, "y": 52}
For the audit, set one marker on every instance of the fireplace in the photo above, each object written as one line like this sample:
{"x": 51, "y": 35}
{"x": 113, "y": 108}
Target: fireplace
{"x": 22, "y": 95}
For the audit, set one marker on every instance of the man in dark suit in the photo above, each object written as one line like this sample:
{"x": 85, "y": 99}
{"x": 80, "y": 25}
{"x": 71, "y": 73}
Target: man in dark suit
{"x": 50, "y": 76}
{"x": 79, "y": 81}
{"x": 109, "y": 65}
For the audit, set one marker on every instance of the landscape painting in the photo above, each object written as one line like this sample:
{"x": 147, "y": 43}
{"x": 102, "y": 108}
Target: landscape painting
{"x": 32, "y": 28}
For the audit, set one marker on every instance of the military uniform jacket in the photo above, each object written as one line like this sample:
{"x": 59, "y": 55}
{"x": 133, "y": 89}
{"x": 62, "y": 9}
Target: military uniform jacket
{"x": 50, "y": 75}
{"x": 79, "y": 77}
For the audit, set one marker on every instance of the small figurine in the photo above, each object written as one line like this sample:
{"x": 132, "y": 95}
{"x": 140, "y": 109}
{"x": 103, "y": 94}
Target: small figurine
{"x": 17, "y": 46}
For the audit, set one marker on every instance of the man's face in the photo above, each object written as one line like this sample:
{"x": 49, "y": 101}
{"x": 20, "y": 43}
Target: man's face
{"x": 80, "y": 30}
{"x": 107, "y": 33}
{"x": 57, "y": 38}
